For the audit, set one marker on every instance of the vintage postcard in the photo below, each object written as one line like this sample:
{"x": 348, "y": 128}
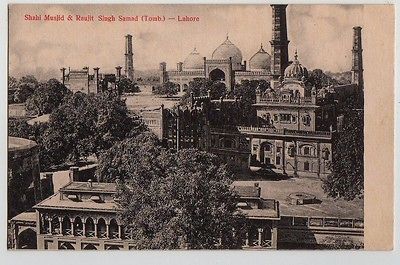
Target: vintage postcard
{"x": 252, "y": 127}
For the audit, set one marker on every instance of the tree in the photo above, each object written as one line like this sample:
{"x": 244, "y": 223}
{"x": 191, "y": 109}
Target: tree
{"x": 47, "y": 97}
{"x": 85, "y": 125}
{"x": 171, "y": 200}
{"x": 347, "y": 178}
{"x": 319, "y": 79}
{"x": 246, "y": 92}
{"x": 168, "y": 89}
{"x": 13, "y": 85}
{"x": 125, "y": 85}
{"x": 203, "y": 87}
{"x": 27, "y": 86}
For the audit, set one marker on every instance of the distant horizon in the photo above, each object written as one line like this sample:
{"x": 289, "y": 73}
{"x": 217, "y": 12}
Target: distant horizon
{"x": 322, "y": 34}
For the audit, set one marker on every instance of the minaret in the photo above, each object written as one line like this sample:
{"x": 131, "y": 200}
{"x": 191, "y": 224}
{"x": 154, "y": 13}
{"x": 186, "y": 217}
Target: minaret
{"x": 279, "y": 42}
{"x": 128, "y": 57}
{"x": 357, "y": 61}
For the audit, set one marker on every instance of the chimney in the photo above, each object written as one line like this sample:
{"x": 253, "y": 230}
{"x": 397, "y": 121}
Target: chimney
{"x": 357, "y": 61}
{"x": 118, "y": 68}
{"x": 96, "y": 77}
{"x": 73, "y": 174}
{"x": 63, "y": 74}
{"x": 279, "y": 43}
{"x": 179, "y": 66}
{"x": 163, "y": 72}
{"x": 128, "y": 57}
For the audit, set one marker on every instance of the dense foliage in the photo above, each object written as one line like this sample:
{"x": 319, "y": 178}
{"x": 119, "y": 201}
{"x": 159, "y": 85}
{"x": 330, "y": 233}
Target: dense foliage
{"x": 20, "y": 90}
{"x": 246, "y": 93}
{"x": 125, "y": 85}
{"x": 46, "y": 97}
{"x": 203, "y": 87}
{"x": 83, "y": 125}
{"x": 171, "y": 200}
{"x": 166, "y": 89}
{"x": 347, "y": 179}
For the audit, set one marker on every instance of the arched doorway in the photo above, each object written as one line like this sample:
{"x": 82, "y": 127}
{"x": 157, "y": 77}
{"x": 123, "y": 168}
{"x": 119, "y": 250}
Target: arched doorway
{"x": 27, "y": 239}
{"x": 266, "y": 153}
{"x": 217, "y": 75}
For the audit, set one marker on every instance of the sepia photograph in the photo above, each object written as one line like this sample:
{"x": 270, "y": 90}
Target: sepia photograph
{"x": 164, "y": 127}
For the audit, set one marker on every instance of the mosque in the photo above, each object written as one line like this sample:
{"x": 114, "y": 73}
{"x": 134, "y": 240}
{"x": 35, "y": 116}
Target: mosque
{"x": 226, "y": 63}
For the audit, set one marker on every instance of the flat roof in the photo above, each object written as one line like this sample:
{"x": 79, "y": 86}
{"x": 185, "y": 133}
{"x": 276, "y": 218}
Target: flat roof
{"x": 327, "y": 207}
{"x": 16, "y": 143}
{"x": 25, "y": 217}
{"x": 102, "y": 187}
{"x": 54, "y": 202}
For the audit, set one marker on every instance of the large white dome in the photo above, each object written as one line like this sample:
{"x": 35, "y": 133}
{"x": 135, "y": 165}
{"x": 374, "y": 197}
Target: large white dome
{"x": 261, "y": 60}
{"x": 228, "y": 50}
{"x": 193, "y": 61}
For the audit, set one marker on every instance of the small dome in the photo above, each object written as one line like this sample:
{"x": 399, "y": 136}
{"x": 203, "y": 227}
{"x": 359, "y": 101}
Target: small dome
{"x": 296, "y": 70}
{"x": 261, "y": 60}
{"x": 193, "y": 61}
{"x": 226, "y": 50}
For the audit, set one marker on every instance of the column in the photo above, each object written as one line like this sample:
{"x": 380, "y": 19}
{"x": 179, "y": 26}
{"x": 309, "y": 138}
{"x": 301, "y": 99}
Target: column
{"x": 107, "y": 230}
{"x": 72, "y": 227}
{"x": 84, "y": 227}
{"x": 274, "y": 236}
{"x": 247, "y": 239}
{"x": 119, "y": 232}
{"x": 50, "y": 228}
{"x": 95, "y": 228}
{"x": 61, "y": 225}
{"x": 260, "y": 236}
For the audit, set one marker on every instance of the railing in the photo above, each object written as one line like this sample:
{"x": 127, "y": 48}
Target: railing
{"x": 312, "y": 222}
{"x": 114, "y": 235}
{"x": 245, "y": 129}
{"x": 90, "y": 233}
{"x": 68, "y": 232}
{"x": 266, "y": 244}
{"x": 102, "y": 234}
{"x": 78, "y": 232}
{"x": 297, "y": 101}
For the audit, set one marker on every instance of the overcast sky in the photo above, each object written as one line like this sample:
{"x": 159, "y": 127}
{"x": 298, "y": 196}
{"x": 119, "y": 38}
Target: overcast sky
{"x": 321, "y": 34}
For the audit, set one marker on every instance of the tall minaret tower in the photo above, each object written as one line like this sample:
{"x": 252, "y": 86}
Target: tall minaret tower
{"x": 279, "y": 42}
{"x": 128, "y": 57}
{"x": 357, "y": 61}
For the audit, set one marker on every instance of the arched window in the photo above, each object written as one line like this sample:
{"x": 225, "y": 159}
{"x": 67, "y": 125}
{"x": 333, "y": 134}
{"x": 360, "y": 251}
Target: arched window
{"x": 89, "y": 227}
{"x": 46, "y": 225}
{"x": 66, "y": 226}
{"x": 306, "y": 150}
{"x": 101, "y": 228}
{"x": 55, "y": 226}
{"x": 306, "y": 166}
{"x": 325, "y": 154}
{"x": 78, "y": 226}
{"x": 113, "y": 229}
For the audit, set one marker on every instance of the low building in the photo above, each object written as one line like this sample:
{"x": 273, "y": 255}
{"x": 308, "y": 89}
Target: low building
{"x": 83, "y": 216}
{"x": 23, "y": 175}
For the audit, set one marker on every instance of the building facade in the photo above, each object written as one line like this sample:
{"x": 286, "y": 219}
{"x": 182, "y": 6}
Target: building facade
{"x": 83, "y": 216}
